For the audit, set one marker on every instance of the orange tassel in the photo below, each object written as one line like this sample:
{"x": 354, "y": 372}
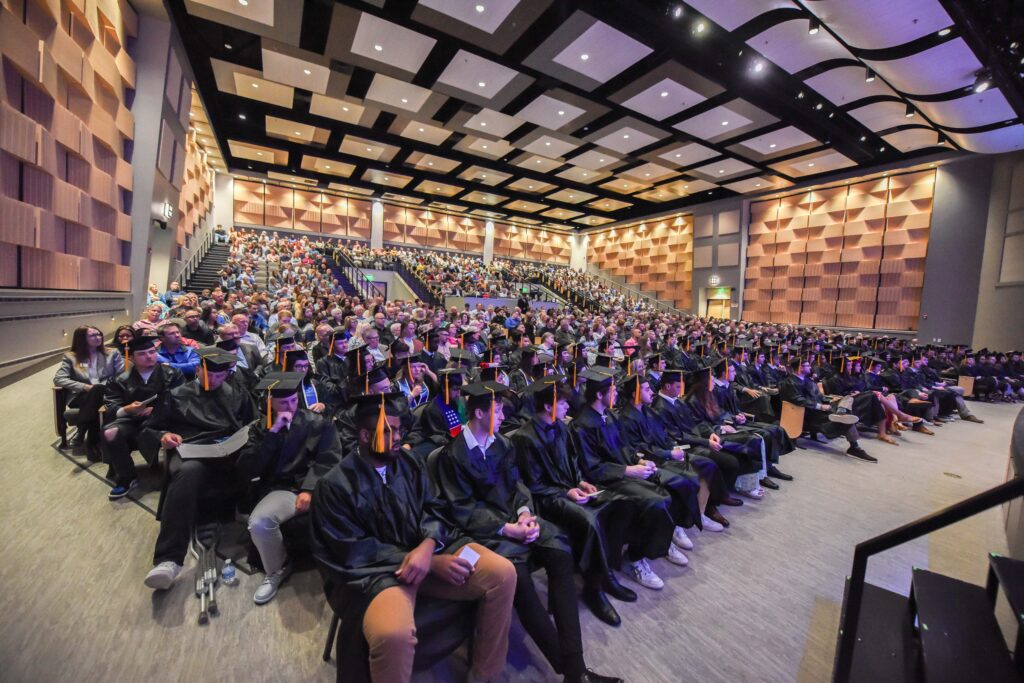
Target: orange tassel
{"x": 574, "y": 375}
{"x": 554, "y": 403}
{"x": 636, "y": 394}
{"x": 491, "y": 425}
{"x": 367, "y": 389}
{"x": 270, "y": 422}
{"x": 126, "y": 354}
{"x": 682, "y": 384}
{"x": 382, "y": 422}
{"x": 842, "y": 365}
{"x": 612, "y": 389}
{"x": 206, "y": 377}
{"x": 447, "y": 391}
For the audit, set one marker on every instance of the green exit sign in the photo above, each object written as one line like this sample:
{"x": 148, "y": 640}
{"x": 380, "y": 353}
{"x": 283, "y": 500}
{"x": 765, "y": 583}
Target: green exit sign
{"x": 369, "y": 277}
{"x": 720, "y": 293}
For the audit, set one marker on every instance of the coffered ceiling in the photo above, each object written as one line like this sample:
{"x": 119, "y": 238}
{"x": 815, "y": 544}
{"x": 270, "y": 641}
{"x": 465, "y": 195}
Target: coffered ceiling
{"x": 589, "y": 112}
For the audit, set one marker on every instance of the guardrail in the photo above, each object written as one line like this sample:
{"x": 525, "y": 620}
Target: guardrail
{"x": 193, "y": 262}
{"x": 366, "y": 288}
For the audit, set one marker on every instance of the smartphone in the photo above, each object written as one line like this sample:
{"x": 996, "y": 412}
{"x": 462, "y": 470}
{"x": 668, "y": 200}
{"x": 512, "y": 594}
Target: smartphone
{"x": 469, "y": 555}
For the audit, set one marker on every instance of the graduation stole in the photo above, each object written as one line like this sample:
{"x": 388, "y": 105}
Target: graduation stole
{"x": 451, "y": 417}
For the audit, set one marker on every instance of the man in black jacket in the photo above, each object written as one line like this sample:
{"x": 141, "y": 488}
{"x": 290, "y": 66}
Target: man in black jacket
{"x": 129, "y": 400}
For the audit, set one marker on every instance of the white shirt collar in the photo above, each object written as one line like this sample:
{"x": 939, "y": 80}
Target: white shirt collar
{"x": 670, "y": 399}
{"x": 472, "y": 443}
{"x": 383, "y": 472}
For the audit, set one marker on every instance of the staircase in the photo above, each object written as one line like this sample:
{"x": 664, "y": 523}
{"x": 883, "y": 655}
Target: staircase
{"x": 206, "y": 275}
{"x": 339, "y": 272}
{"x": 946, "y": 631}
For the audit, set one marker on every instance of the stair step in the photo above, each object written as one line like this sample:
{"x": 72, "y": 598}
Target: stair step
{"x": 960, "y": 638}
{"x": 1010, "y": 574}
{"x": 885, "y": 649}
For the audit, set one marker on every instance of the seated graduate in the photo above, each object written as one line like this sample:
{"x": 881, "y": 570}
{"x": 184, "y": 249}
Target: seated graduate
{"x": 129, "y": 400}
{"x": 279, "y": 345}
{"x": 984, "y": 385}
{"x": 877, "y": 383}
{"x": 202, "y": 412}
{"x": 379, "y": 535}
{"x": 249, "y": 357}
{"x": 414, "y": 379}
{"x": 479, "y": 480}
{"x": 866, "y": 404}
{"x": 752, "y": 394}
{"x": 913, "y": 397}
{"x": 820, "y": 416}
{"x": 522, "y": 377}
{"x": 949, "y": 398}
{"x": 332, "y": 372}
{"x": 288, "y": 451}
{"x": 644, "y": 433}
{"x": 776, "y": 442}
{"x": 608, "y": 463}
{"x": 365, "y": 382}
{"x": 309, "y": 390}
{"x": 677, "y": 418}
{"x": 440, "y": 420}
{"x": 596, "y": 522}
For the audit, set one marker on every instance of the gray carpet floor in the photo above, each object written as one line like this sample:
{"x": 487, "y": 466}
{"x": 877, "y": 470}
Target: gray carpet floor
{"x": 759, "y": 602}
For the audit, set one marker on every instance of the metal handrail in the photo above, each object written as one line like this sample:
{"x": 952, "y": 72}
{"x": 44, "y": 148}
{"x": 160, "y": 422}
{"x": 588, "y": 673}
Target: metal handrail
{"x": 368, "y": 288}
{"x": 637, "y": 293}
{"x": 193, "y": 262}
{"x": 985, "y": 500}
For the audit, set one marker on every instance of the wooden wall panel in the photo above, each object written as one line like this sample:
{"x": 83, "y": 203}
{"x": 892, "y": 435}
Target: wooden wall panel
{"x": 850, "y": 256}
{"x": 394, "y": 224}
{"x": 359, "y": 219}
{"x": 308, "y": 212}
{"x": 249, "y": 204}
{"x": 334, "y": 215}
{"x": 280, "y": 206}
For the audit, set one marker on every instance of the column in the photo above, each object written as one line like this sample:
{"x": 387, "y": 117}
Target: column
{"x": 488, "y": 242}
{"x": 578, "y": 257}
{"x": 377, "y": 225}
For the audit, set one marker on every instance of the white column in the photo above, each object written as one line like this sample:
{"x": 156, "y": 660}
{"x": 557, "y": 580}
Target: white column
{"x": 488, "y": 242}
{"x": 578, "y": 257}
{"x": 377, "y": 225}
{"x": 223, "y": 200}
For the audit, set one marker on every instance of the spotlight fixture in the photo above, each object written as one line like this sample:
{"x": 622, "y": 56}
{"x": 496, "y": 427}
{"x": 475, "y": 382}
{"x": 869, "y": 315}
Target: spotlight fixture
{"x": 699, "y": 27}
{"x": 677, "y": 11}
{"x": 910, "y": 112}
{"x": 945, "y": 32}
{"x": 818, "y": 106}
{"x": 869, "y": 76}
{"x": 800, "y": 95}
{"x": 814, "y": 26}
{"x": 242, "y": 116}
{"x": 758, "y": 66}
{"x": 982, "y": 81}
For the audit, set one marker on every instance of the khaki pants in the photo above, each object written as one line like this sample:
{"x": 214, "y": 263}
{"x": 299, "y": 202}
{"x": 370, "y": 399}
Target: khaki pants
{"x": 390, "y": 628}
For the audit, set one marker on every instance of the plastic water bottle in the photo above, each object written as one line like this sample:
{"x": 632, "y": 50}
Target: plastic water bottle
{"x": 228, "y": 577}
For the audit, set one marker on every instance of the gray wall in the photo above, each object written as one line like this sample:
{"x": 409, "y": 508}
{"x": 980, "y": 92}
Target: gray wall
{"x": 949, "y": 299}
{"x": 999, "y": 323}
{"x": 718, "y": 250}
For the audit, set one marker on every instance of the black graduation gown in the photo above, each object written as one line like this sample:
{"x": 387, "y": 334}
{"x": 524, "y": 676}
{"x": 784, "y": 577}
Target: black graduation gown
{"x": 761, "y": 406}
{"x": 292, "y": 459}
{"x": 129, "y": 387}
{"x": 679, "y": 478}
{"x": 345, "y": 421}
{"x": 643, "y": 432}
{"x": 202, "y": 417}
{"x": 549, "y": 468}
{"x": 745, "y": 443}
{"x": 776, "y": 441}
{"x": 805, "y": 393}
{"x": 604, "y": 458}
{"x": 484, "y": 491}
{"x": 519, "y": 380}
{"x": 331, "y": 377}
{"x": 434, "y": 426}
{"x": 361, "y": 530}
{"x": 681, "y": 426}
{"x": 866, "y": 405}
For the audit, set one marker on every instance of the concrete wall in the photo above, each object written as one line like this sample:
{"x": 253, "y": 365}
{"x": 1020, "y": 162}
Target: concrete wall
{"x": 999, "y": 323}
{"x": 718, "y": 250}
{"x": 397, "y": 289}
{"x": 949, "y": 299}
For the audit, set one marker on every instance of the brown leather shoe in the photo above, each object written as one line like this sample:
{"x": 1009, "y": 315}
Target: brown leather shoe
{"x": 924, "y": 430}
{"x": 717, "y": 516}
{"x": 972, "y": 418}
{"x": 731, "y": 501}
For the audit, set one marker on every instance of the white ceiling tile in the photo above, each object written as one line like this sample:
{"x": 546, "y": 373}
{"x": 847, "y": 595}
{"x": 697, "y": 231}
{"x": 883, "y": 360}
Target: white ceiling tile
{"x": 689, "y": 154}
{"x": 814, "y": 163}
{"x": 490, "y": 122}
{"x": 790, "y": 46}
{"x": 601, "y": 53}
{"x": 1006, "y": 139}
{"x": 473, "y": 74}
{"x": 878, "y": 24}
{"x": 778, "y": 141}
{"x": 260, "y": 11}
{"x": 732, "y": 14}
{"x": 549, "y": 112}
{"x": 332, "y": 108}
{"x": 650, "y": 173}
{"x": 626, "y": 139}
{"x": 714, "y": 124}
{"x": 663, "y": 99}
{"x": 389, "y": 43}
{"x": 538, "y": 163}
{"x": 971, "y": 111}
{"x": 486, "y": 15}
{"x": 424, "y": 132}
{"x": 550, "y": 146}
{"x": 594, "y": 159}
{"x": 578, "y": 174}
{"x": 723, "y": 169}
{"x": 396, "y": 93}
{"x": 881, "y": 115}
{"x": 943, "y": 68}
{"x": 260, "y": 89}
{"x": 290, "y": 70}
{"x": 912, "y": 138}
{"x": 848, "y": 84}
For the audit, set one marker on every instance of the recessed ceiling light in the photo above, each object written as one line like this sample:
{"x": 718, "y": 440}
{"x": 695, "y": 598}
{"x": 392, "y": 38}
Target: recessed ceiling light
{"x": 584, "y": 56}
{"x": 601, "y": 161}
{"x": 810, "y": 165}
{"x": 725, "y": 123}
{"x": 721, "y": 171}
{"x": 758, "y": 66}
{"x": 243, "y": 3}
{"x": 437, "y": 189}
{"x": 881, "y": 149}
{"x": 378, "y": 48}
{"x": 818, "y": 106}
{"x": 483, "y": 175}
{"x": 480, "y": 8}
{"x": 863, "y": 138}
{"x": 255, "y": 85}
{"x": 625, "y": 136}
{"x": 327, "y": 166}
{"x": 344, "y": 108}
{"x": 405, "y": 100}
{"x": 421, "y": 130}
{"x": 385, "y": 177}
{"x": 306, "y": 71}
{"x": 664, "y": 93}
{"x": 699, "y": 28}
{"x": 945, "y": 31}
{"x": 530, "y": 187}
{"x": 572, "y": 196}
{"x": 757, "y": 184}
{"x": 561, "y": 112}
{"x": 242, "y": 116}
{"x": 228, "y": 46}
{"x": 538, "y": 161}
{"x": 772, "y": 146}
{"x": 430, "y": 163}
{"x": 298, "y": 133}
{"x": 584, "y": 174}
{"x": 259, "y": 154}
{"x": 686, "y": 187}
{"x": 483, "y": 124}
{"x": 369, "y": 149}
{"x": 483, "y": 146}
{"x": 547, "y": 144}
{"x": 482, "y": 84}
{"x": 647, "y": 175}
{"x": 678, "y": 155}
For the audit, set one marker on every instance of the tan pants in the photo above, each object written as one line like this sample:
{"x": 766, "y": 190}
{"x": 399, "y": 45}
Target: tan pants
{"x": 390, "y": 628}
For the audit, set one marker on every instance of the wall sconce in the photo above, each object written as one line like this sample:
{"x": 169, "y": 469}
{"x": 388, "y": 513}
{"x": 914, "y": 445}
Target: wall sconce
{"x": 714, "y": 280}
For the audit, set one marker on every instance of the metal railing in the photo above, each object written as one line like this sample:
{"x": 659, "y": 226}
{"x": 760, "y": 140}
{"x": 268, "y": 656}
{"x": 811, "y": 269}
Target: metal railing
{"x": 636, "y": 295}
{"x": 985, "y": 500}
{"x": 365, "y": 287}
{"x": 197, "y": 257}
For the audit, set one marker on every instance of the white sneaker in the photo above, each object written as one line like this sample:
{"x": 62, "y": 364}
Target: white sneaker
{"x": 162, "y": 576}
{"x": 680, "y": 539}
{"x": 844, "y": 418}
{"x": 709, "y": 524}
{"x": 645, "y": 576}
{"x": 268, "y": 589}
{"x": 675, "y": 556}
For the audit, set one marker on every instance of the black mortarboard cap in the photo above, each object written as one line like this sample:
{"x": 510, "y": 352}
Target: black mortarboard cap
{"x": 142, "y": 343}
{"x": 603, "y": 360}
{"x": 280, "y": 384}
{"x": 216, "y": 359}
{"x": 598, "y": 378}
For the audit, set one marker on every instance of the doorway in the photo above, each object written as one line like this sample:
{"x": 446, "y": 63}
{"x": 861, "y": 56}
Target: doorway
{"x": 718, "y": 301}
